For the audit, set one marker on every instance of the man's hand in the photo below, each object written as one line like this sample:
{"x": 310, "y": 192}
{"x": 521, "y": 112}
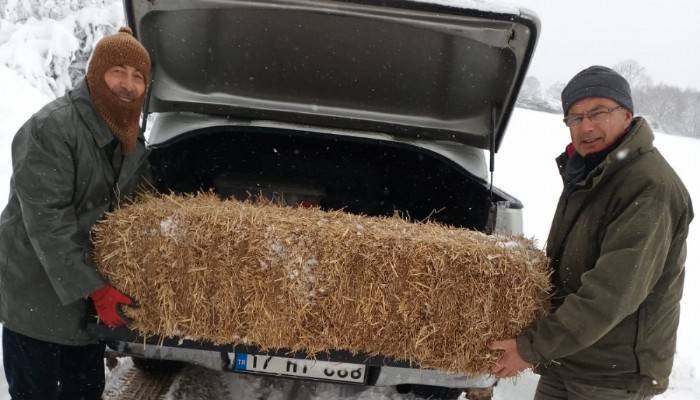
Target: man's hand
{"x": 510, "y": 363}
{"x": 107, "y": 301}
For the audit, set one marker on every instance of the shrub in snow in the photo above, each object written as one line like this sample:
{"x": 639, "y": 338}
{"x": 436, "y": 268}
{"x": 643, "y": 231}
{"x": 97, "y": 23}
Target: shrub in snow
{"x": 23, "y": 10}
{"x": 90, "y": 26}
{"x": 42, "y": 51}
{"x": 49, "y": 42}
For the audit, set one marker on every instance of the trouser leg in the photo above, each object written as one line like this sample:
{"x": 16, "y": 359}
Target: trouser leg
{"x": 83, "y": 372}
{"x": 580, "y": 391}
{"x": 24, "y": 381}
{"x": 38, "y": 370}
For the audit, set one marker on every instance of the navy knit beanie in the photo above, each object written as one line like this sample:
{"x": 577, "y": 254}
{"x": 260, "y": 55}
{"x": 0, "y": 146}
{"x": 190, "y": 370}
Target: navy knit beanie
{"x": 597, "y": 81}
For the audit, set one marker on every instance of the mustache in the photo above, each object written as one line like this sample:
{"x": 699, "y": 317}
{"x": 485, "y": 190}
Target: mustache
{"x": 125, "y": 93}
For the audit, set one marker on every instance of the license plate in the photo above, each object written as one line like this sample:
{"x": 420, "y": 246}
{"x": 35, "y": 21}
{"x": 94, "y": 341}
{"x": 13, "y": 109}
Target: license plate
{"x": 313, "y": 369}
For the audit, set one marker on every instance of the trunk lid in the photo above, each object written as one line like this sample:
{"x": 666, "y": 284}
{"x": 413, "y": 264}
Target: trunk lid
{"x": 411, "y": 69}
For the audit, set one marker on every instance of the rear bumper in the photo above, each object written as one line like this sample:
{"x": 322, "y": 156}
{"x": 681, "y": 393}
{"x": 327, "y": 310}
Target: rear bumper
{"x": 383, "y": 371}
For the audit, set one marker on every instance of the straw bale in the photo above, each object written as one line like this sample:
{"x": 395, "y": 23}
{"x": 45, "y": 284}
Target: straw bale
{"x": 312, "y": 280}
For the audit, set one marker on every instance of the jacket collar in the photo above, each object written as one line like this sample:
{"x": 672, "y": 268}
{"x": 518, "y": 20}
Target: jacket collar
{"x": 639, "y": 140}
{"x": 80, "y": 96}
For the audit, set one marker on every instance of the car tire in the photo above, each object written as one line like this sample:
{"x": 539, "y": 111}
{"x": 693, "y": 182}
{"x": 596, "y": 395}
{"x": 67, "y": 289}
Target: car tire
{"x": 427, "y": 392}
{"x": 485, "y": 393}
{"x": 156, "y": 366}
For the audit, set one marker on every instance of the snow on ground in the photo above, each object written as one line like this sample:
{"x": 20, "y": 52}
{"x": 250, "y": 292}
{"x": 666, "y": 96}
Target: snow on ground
{"x": 524, "y": 167}
{"x": 20, "y": 100}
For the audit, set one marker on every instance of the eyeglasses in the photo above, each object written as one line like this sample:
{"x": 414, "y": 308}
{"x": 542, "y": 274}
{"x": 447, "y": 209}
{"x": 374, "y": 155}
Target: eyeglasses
{"x": 597, "y": 115}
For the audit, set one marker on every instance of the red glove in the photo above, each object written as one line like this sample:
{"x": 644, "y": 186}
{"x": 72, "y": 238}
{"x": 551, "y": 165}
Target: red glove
{"x": 107, "y": 301}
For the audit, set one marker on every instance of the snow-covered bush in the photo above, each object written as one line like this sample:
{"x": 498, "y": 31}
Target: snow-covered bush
{"x": 49, "y": 42}
{"x": 22, "y": 10}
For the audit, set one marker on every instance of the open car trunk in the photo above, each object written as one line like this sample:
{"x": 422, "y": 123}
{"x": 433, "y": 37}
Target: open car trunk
{"x": 363, "y": 176}
{"x": 379, "y": 108}
{"x": 299, "y": 167}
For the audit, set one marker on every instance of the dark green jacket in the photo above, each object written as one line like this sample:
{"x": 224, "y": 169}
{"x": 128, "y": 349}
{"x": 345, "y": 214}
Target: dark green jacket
{"x": 62, "y": 183}
{"x": 617, "y": 247}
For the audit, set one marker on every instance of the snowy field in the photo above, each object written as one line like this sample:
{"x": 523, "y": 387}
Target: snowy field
{"x": 524, "y": 167}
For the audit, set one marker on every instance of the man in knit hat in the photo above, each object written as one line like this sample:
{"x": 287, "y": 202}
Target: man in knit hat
{"x": 617, "y": 247}
{"x": 72, "y": 161}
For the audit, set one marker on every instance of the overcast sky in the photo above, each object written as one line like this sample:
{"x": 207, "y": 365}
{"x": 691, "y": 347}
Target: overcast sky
{"x": 662, "y": 35}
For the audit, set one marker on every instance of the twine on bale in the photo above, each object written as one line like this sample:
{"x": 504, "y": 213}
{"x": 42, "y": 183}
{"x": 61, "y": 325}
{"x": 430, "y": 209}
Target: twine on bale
{"x": 309, "y": 280}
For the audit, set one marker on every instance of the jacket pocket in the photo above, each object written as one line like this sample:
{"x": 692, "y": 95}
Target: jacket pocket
{"x": 614, "y": 354}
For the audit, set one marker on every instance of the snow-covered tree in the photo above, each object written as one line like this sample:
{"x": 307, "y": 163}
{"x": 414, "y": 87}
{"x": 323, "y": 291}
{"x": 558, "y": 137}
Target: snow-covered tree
{"x": 635, "y": 74}
{"x": 554, "y": 92}
{"x": 532, "y": 97}
{"x": 49, "y": 42}
{"x": 21, "y": 10}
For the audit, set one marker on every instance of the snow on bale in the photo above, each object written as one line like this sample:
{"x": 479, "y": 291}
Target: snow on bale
{"x": 309, "y": 280}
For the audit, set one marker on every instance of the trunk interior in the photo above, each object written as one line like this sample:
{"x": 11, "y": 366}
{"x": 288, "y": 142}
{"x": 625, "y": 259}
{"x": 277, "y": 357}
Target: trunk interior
{"x": 299, "y": 168}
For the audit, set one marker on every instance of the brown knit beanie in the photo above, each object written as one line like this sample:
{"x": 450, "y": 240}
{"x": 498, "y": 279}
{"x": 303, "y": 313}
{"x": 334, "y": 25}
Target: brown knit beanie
{"x": 122, "y": 48}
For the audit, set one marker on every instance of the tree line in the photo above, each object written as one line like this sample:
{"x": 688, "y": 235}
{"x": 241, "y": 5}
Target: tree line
{"x": 668, "y": 108}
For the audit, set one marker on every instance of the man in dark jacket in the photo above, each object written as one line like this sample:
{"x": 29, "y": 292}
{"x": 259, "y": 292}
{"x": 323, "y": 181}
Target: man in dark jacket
{"x": 617, "y": 247}
{"x": 72, "y": 161}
